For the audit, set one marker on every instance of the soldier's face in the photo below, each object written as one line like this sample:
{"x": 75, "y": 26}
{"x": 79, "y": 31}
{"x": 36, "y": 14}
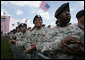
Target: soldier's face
{"x": 38, "y": 22}
{"x": 65, "y": 16}
{"x": 81, "y": 20}
{"x": 23, "y": 29}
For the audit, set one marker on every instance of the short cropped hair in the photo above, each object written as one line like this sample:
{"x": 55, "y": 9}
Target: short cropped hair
{"x": 80, "y": 14}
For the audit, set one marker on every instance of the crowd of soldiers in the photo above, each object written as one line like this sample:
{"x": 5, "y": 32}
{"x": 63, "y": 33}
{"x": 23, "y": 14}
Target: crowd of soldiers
{"x": 64, "y": 41}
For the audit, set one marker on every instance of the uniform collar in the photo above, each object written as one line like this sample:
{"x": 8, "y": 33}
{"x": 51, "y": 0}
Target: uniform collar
{"x": 81, "y": 27}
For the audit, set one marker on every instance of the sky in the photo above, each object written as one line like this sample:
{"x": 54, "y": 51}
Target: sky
{"x": 22, "y": 10}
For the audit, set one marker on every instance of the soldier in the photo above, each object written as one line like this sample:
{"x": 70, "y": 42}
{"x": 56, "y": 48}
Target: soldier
{"x": 16, "y": 35}
{"x": 80, "y": 18}
{"x": 79, "y": 30}
{"x": 11, "y": 35}
{"x": 57, "y": 33}
{"x": 21, "y": 40}
{"x": 38, "y": 32}
{"x": 70, "y": 33}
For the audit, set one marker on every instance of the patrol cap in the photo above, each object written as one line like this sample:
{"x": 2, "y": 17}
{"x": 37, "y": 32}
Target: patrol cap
{"x": 37, "y": 16}
{"x": 80, "y": 14}
{"x": 61, "y": 9}
{"x": 23, "y": 25}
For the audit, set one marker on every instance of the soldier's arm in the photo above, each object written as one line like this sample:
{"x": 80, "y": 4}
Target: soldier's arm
{"x": 32, "y": 47}
{"x": 12, "y": 41}
{"x": 70, "y": 40}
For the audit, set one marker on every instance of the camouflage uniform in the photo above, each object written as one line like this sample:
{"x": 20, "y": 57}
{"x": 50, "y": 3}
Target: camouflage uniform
{"x": 53, "y": 38}
{"x": 53, "y": 42}
{"x": 78, "y": 32}
{"x": 27, "y": 40}
{"x": 36, "y": 36}
{"x": 74, "y": 31}
{"x": 21, "y": 38}
{"x": 17, "y": 35}
{"x": 20, "y": 45}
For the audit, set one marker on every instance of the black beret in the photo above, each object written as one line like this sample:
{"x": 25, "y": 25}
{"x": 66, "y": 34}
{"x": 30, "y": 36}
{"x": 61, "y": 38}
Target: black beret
{"x": 80, "y": 14}
{"x": 37, "y": 16}
{"x": 23, "y": 24}
{"x": 61, "y": 9}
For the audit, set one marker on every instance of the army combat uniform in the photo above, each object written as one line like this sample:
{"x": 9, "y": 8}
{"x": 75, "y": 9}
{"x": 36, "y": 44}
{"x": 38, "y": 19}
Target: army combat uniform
{"x": 78, "y": 32}
{"x": 54, "y": 42}
{"x": 53, "y": 39}
{"x": 37, "y": 36}
{"x": 20, "y": 45}
{"x": 21, "y": 39}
